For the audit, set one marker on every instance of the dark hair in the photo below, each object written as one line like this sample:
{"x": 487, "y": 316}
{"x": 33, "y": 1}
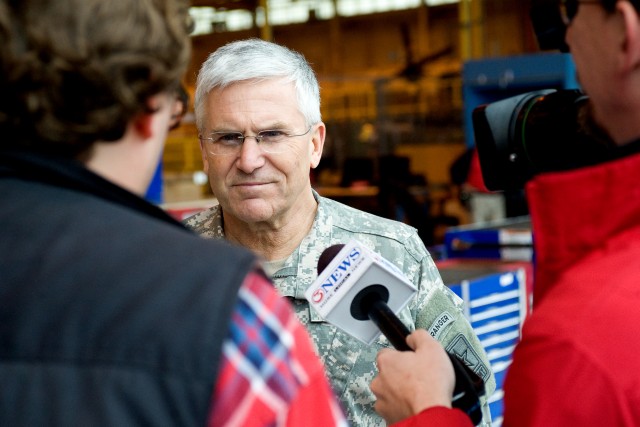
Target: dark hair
{"x": 611, "y": 4}
{"x": 73, "y": 72}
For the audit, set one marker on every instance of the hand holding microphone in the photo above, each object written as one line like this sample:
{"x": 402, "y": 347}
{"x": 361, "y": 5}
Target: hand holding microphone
{"x": 411, "y": 381}
{"x": 359, "y": 291}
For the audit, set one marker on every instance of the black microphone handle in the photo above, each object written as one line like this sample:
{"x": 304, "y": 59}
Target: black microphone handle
{"x": 468, "y": 385}
{"x": 389, "y": 324}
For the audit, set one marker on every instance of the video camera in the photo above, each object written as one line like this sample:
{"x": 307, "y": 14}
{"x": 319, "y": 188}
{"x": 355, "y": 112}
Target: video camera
{"x": 540, "y": 131}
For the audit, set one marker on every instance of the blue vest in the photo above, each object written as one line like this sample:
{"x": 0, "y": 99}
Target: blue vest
{"x": 109, "y": 315}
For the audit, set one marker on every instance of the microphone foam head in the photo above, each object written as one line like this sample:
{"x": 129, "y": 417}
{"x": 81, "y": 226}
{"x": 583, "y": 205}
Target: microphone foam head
{"x": 327, "y": 255}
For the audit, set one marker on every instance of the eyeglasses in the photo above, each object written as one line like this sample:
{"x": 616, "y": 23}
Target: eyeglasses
{"x": 229, "y": 143}
{"x": 569, "y": 8}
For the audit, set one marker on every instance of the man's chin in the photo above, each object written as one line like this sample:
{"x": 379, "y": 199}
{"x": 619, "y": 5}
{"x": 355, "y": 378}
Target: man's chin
{"x": 252, "y": 210}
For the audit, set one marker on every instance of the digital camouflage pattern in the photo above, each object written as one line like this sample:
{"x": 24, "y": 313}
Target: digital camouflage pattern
{"x": 349, "y": 363}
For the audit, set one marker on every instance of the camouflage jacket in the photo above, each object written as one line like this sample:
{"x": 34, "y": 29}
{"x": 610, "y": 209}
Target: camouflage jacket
{"x": 349, "y": 363}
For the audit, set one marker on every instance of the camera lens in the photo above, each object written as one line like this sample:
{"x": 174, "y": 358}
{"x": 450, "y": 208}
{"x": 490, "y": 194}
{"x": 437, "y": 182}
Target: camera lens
{"x": 540, "y": 131}
{"x": 496, "y": 127}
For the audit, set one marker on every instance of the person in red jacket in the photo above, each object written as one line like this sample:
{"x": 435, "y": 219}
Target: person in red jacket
{"x": 576, "y": 364}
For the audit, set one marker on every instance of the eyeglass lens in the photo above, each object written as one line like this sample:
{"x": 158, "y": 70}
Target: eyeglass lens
{"x": 270, "y": 141}
{"x": 568, "y": 9}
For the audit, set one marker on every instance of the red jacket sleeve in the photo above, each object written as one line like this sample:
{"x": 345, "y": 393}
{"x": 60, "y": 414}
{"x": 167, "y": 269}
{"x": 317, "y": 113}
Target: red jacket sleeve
{"x": 437, "y": 416}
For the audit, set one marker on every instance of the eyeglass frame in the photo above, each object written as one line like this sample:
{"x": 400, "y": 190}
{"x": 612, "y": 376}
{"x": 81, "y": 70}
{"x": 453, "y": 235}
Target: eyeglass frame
{"x": 569, "y": 8}
{"x": 257, "y": 137}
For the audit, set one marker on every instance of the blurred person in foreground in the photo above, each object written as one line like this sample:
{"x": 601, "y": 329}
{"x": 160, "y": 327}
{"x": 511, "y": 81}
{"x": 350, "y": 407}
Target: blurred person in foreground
{"x": 112, "y": 313}
{"x": 257, "y": 107}
{"x": 576, "y": 364}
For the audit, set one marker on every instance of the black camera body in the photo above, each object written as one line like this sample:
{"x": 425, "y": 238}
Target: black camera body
{"x": 540, "y": 131}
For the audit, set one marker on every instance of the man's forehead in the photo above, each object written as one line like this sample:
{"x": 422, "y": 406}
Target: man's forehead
{"x": 257, "y": 84}
{"x": 267, "y": 102}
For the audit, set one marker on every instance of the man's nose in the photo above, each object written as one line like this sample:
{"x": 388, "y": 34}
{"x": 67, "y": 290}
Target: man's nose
{"x": 251, "y": 155}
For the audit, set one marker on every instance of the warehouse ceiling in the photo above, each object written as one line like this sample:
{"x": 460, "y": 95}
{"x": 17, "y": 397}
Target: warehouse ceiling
{"x": 227, "y": 4}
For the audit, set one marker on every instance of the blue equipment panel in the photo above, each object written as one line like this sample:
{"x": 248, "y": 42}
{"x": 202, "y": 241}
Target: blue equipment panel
{"x": 508, "y": 239}
{"x": 496, "y": 303}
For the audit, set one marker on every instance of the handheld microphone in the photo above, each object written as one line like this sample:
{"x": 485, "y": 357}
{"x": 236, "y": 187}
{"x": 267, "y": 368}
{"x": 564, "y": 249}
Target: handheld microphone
{"x": 349, "y": 294}
{"x": 353, "y": 282}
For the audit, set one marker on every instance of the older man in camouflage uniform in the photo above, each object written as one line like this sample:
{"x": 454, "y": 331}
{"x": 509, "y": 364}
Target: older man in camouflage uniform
{"x": 270, "y": 94}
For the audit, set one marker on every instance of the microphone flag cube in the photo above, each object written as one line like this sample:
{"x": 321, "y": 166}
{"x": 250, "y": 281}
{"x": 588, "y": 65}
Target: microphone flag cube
{"x": 354, "y": 269}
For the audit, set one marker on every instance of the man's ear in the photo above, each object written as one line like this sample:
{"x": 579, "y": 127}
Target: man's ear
{"x": 631, "y": 43}
{"x": 205, "y": 159}
{"x": 143, "y": 124}
{"x": 317, "y": 144}
{"x": 144, "y": 121}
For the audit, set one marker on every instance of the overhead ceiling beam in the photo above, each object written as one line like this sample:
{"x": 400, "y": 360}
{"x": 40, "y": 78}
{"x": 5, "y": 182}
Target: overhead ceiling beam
{"x": 227, "y": 4}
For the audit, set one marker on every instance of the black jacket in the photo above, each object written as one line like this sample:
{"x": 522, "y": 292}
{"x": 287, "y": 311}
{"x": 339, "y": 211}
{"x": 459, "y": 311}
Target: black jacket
{"x": 111, "y": 313}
